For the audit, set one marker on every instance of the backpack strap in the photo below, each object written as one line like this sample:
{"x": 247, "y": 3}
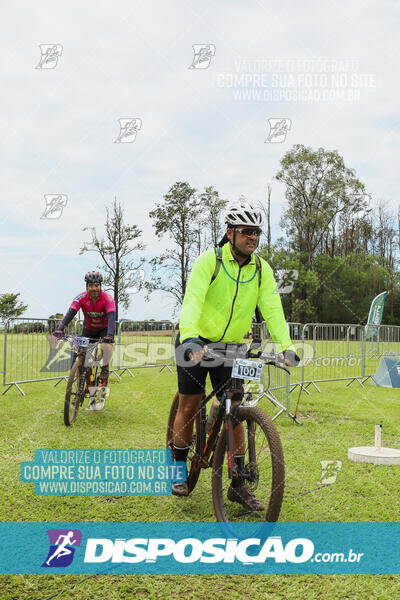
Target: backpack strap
{"x": 257, "y": 312}
{"x": 218, "y": 262}
{"x": 258, "y": 267}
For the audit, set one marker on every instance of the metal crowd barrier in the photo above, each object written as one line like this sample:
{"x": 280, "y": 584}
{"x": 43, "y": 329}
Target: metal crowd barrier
{"x": 334, "y": 352}
{"x": 144, "y": 344}
{"x": 330, "y": 352}
{"x": 31, "y": 353}
{"x": 380, "y": 341}
{"x": 295, "y": 331}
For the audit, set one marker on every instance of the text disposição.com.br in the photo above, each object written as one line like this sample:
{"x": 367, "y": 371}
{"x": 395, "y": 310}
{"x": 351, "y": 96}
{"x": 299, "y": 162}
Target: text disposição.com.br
{"x": 212, "y": 550}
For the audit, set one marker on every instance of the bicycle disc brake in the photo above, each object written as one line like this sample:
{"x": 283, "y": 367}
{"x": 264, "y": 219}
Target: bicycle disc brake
{"x": 251, "y": 476}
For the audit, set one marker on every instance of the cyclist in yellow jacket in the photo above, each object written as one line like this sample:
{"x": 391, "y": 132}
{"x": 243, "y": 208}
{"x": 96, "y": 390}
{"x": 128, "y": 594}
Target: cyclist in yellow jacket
{"x": 220, "y": 309}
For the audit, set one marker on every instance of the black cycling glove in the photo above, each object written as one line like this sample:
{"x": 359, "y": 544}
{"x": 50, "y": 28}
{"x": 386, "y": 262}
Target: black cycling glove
{"x": 192, "y": 345}
{"x": 292, "y": 357}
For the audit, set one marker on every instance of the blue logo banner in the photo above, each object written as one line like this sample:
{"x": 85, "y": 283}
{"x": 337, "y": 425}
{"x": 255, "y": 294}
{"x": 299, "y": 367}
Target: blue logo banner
{"x": 186, "y": 548}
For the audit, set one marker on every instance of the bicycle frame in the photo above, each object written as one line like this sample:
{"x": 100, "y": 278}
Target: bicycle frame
{"x": 208, "y": 442}
{"x": 81, "y": 350}
{"x": 83, "y": 378}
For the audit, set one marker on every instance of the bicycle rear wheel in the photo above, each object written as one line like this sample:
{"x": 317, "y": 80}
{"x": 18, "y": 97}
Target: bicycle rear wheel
{"x": 74, "y": 394}
{"x": 196, "y": 445}
{"x": 264, "y": 472}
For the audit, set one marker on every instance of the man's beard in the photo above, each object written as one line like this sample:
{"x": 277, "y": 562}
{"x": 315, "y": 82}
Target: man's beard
{"x": 239, "y": 253}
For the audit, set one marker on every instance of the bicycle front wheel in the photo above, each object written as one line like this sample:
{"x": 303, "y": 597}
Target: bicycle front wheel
{"x": 196, "y": 445}
{"x": 74, "y": 394}
{"x": 264, "y": 471}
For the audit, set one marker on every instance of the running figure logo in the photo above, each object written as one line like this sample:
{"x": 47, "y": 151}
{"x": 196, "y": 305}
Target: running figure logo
{"x": 61, "y": 552}
{"x": 278, "y": 129}
{"x": 59, "y": 358}
{"x": 128, "y": 129}
{"x": 54, "y": 206}
{"x": 285, "y": 279}
{"x": 329, "y": 471}
{"x": 50, "y": 54}
{"x": 203, "y": 54}
{"x": 136, "y": 281}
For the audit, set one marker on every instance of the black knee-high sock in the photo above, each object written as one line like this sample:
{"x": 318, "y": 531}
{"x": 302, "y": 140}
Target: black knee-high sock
{"x": 239, "y": 462}
{"x": 180, "y": 453}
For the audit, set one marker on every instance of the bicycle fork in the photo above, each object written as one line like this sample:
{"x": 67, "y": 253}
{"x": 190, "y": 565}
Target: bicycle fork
{"x": 81, "y": 387}
{"x": 229, "y": 435}
{"x": 236, "y": 393}
{"x": 208, "y": 440}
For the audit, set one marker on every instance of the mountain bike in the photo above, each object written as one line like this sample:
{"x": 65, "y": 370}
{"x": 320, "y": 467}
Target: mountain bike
{"x": 264, "y": 471}
{"x": 83, "y": 378}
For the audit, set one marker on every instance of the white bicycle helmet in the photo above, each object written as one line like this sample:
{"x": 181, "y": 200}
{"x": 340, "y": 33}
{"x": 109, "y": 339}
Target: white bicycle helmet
{"x": 243, "y": 213}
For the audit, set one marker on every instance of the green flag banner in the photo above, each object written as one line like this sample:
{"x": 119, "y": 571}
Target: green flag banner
{"x": 375, "y": 316}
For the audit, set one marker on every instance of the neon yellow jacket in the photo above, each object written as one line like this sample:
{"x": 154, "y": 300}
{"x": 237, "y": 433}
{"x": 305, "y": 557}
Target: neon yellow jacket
{"x": 223, "y": 311}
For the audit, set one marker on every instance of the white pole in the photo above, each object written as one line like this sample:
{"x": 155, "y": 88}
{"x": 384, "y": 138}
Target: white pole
{"x": 378, "y": 437}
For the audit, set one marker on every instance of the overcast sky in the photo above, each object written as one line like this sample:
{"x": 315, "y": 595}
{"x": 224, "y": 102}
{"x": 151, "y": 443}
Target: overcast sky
{"x": 330, "y": 69}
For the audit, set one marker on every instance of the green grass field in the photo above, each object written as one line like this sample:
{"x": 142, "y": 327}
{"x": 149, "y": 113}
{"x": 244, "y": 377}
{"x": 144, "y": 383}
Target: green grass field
{"x": 135, "y": 417}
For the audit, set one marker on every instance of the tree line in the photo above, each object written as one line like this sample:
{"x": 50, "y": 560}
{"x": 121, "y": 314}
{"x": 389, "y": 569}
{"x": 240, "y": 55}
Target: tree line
{"x": 343, "y": 246}
{"x": 345, "y": 250}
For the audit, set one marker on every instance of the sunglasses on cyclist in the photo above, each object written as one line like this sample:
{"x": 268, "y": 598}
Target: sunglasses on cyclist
{"x": 249, "y": 231}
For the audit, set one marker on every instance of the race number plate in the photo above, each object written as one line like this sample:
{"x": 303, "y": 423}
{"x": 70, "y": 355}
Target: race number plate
{"x": 247, "y": 369}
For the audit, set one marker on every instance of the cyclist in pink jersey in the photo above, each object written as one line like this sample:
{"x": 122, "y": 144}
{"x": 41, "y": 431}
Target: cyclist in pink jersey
{"x": 95, "y": 310}
{"x": 99, "y": 311}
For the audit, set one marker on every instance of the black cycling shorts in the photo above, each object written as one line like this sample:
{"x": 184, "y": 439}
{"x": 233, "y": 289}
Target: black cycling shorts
{"x": 192, "y": 378}
{"x": 94, "y": 335}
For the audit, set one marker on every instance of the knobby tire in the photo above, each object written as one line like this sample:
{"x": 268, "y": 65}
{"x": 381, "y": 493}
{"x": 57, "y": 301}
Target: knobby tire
{"x": 72, "y": 399}
{"x": 267, "y": 447}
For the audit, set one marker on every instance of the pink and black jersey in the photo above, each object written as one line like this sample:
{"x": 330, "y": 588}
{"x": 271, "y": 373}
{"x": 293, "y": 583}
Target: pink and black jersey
{"x": 95, "y": 314}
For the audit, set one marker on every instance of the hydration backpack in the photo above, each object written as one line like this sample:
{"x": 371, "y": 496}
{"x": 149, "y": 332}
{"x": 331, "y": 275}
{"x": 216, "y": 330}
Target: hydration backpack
{"x": 218, "y": 256}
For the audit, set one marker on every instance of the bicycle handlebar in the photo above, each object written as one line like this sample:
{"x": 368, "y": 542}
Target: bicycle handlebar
{"x": 267, "y": 359}
{"x": 78, "y": 339}
{"x": 275, "y": 361}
